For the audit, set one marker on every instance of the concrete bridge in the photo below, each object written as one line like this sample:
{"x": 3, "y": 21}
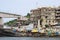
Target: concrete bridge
{"x": 7, "y": 15}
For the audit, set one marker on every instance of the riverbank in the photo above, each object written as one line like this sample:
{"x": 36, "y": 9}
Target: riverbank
{"x": 9, "y": 33}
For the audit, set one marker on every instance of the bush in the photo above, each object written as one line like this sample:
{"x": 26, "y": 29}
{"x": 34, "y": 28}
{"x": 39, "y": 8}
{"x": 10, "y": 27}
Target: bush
{"x": 46, "y": 26}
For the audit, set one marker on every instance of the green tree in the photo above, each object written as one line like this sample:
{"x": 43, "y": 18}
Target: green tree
{"x": 46, "y": 26}
{"x": 28, "y": 15}
{"x": 10, "y": 22}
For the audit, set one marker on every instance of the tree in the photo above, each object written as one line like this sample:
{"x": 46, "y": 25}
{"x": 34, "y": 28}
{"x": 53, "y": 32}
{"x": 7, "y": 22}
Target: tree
{"x": 28, "y": 15}
{"x": 10, "y": 22}
{"x": 46, "y": 26}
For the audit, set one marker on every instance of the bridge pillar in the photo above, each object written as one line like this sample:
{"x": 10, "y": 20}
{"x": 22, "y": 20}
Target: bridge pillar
{"x": 1, "y": 22}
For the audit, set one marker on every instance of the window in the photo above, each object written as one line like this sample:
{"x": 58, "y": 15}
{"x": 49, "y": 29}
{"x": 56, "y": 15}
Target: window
{"x": 59, "y": 10}
{"x": 49, "y": 20}
{"x": 46, "y": 16}
{"x": 53, "y": 21}
{"x": 18, "y": 17}
{"x": 46, "y": 21}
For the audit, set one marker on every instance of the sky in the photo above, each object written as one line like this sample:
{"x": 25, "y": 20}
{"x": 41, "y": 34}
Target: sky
{"x": 22, "y": 7}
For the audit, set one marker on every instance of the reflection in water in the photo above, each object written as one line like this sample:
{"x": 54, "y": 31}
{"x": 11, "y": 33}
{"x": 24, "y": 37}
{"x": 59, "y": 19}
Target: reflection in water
{"x": 28, "y": 38}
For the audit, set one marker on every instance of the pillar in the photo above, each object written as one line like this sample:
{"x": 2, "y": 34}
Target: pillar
{"x": 18, "y": 21}
{"x": 1, "y": 22}
{"x": 39, "y": 27}
{"x": 43, "y": 22}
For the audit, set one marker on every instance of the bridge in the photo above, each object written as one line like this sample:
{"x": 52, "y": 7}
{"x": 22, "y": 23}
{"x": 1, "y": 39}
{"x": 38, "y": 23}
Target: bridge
{"x": 7, "y": 15}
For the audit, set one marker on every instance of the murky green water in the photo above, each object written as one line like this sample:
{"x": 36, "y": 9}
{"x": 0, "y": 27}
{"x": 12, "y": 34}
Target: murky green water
{"x": 29, "y": 38}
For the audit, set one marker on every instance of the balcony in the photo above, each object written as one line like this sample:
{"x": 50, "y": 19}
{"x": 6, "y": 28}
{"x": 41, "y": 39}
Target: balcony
{"x": 57, "y": 11}
{"x": 57, "y": 14}
{"x": 57, "y": 17}
{"x": 49, "y": 11}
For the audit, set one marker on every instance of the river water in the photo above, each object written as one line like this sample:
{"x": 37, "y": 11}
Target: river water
{"x": 29, "y": 38}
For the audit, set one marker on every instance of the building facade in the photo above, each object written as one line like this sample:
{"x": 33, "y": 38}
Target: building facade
{"x": 47, "y": 15}
{"x": 57, "y": 15}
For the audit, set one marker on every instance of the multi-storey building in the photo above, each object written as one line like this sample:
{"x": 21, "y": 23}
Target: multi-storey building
{"x": 47, "y": 15}
{"x": 35, "y": 14}
{"x": 57, "y": 16}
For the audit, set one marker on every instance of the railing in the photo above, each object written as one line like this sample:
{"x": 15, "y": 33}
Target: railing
{"x": 57, "y": 11}
{"x": 57, "y": 17}
{"x": 57, "y": 14}
{"x": 49, "y": 11}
